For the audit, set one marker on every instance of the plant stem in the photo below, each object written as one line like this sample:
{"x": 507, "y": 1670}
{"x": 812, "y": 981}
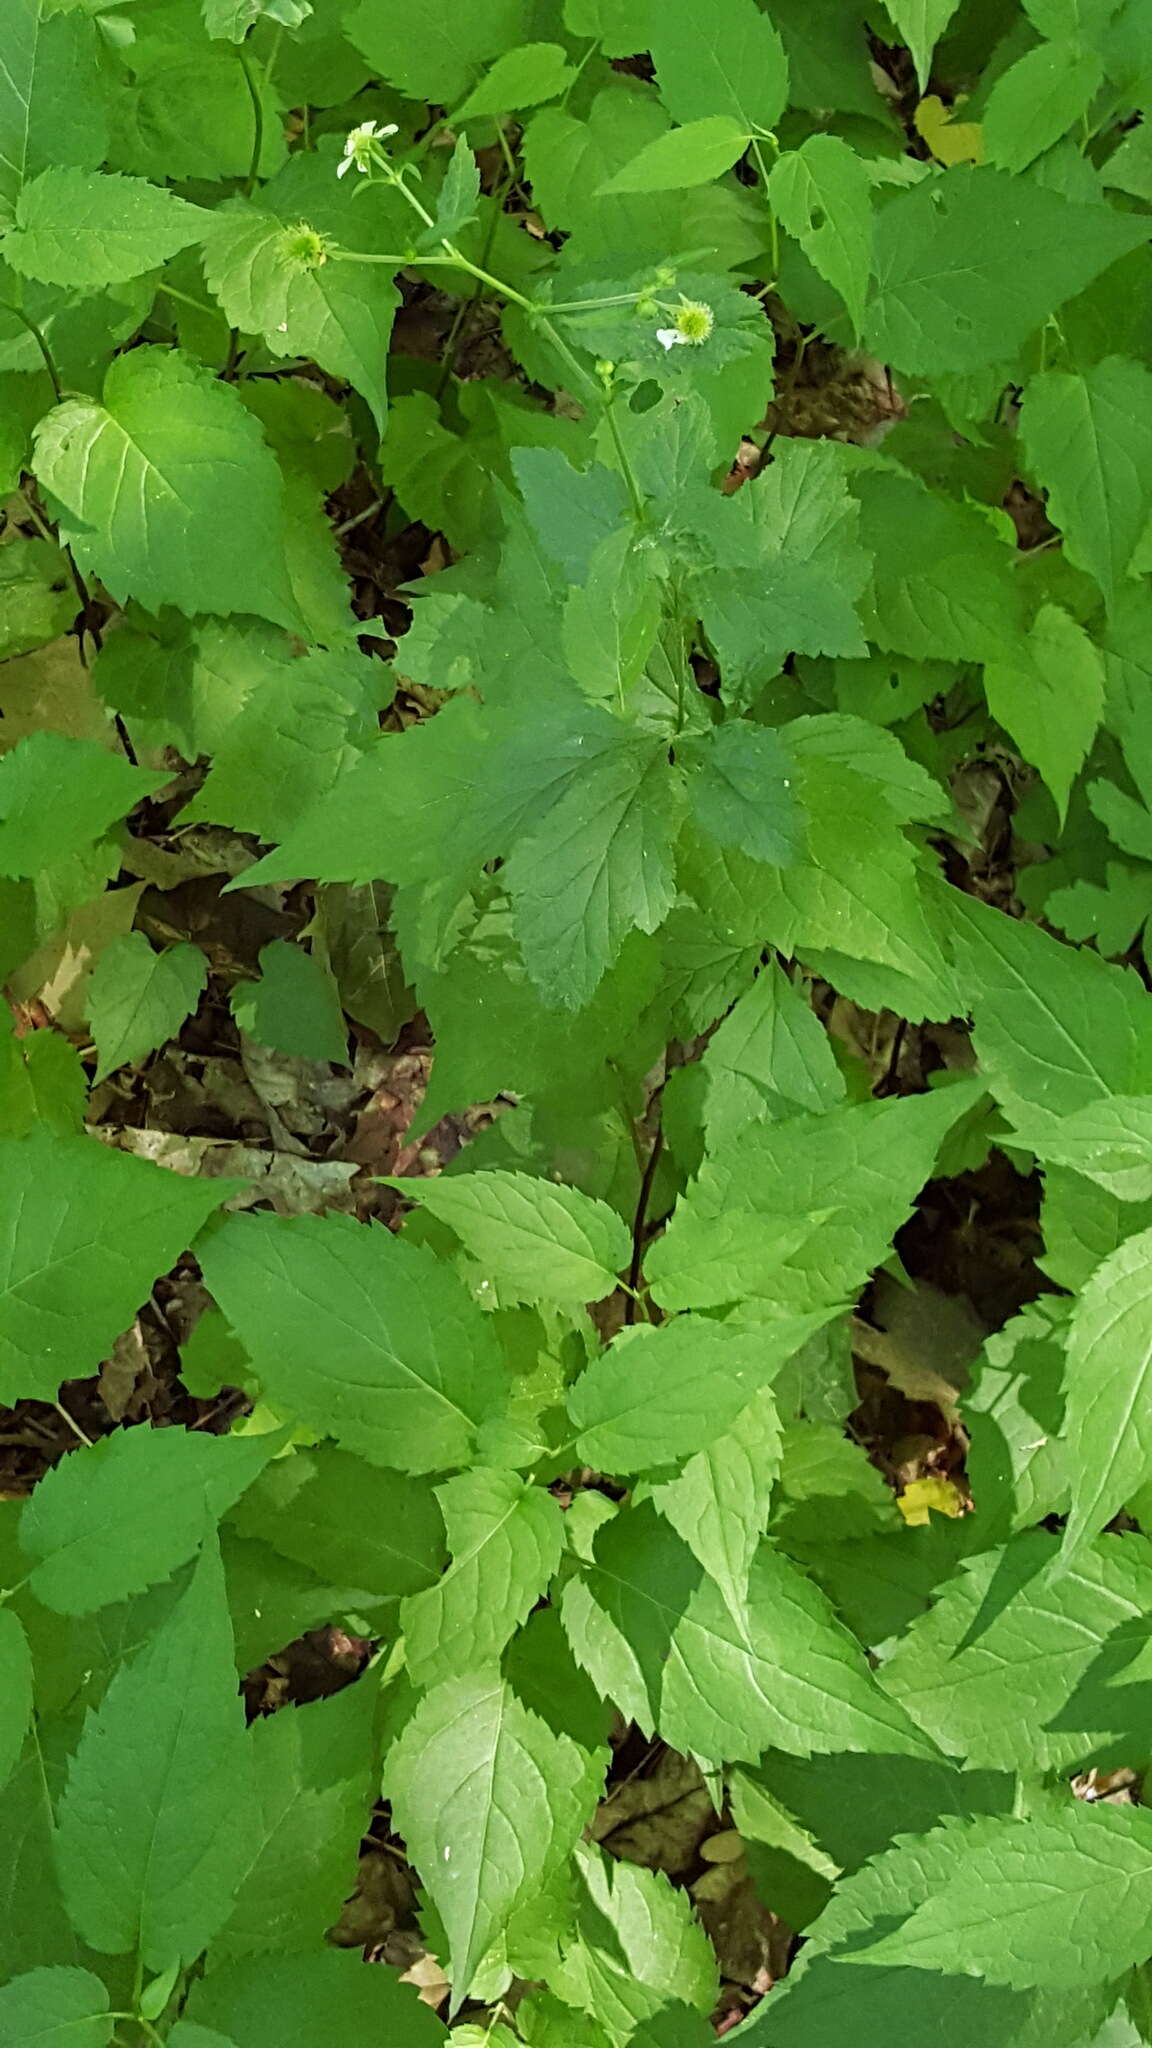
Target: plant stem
{"x": 17, "y": 313}
{"x": 257, "y": 121}
{"x": 773, "y": 225}
{"x": 639, "y": 1223}
{"x": 626, "y": 470}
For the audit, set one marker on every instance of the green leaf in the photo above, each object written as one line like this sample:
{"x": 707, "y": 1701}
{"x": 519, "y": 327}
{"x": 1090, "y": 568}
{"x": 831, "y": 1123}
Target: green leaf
{"x": 490, "y": 1802}
{"x": 741, "y": 791}
{"x": 730, "y": 64}
{"x": 719, "y": 1503}
{"x": 312, "y": 1781}
{"x": 692, "y": 155}
{"x": 1057, "y": 1902}
{"x": 348, "y": 1521}
{"x": 167, "y": 491}
{"x": 53, "y": 106}
{"x": 89, "y": 229}
{"x": 15, "y": 1691}
{"x": 294, "y": 1007}
{"x": 823, "y": 195}
{"x": 57, "y": 795}
{"x": 656, "y": 1636}
{"x": 944, "y": 584}
{"x": 769, "y": 1057}
{"x": 58, "y": 2008}
{"x": 970, "y": 261}
{"x": 1109, "y": 1364}
{"x": 41, "y": 1082}
{"x": 1089, "y": 442}
{"x": 37, "y": 598}
{"x": 637, "y": 1947}
{"x": 85, "y": 1231}
{"x": 655, "y": 1395}
{"x": 922, "y": 23}
{"x": 1109, "y": 1142}
{"x": 538, "y": 1241}
{"x": 138, "y": 998}
{"x": 505, "y": 1537}
{"x": 152, "y": 1823}
{"x": 459, "y": 195}
{"x": 120, "y": 1515}
{"x": 307, "y": 1999}
{"x": 1049, "y": 695}
{"x": 520, "y": 78}
{"x": 366, "y": 1338}
{"x": 435, "y": 55}
{"x": 271, "y": 280}
{"x": 1037, "y": 100}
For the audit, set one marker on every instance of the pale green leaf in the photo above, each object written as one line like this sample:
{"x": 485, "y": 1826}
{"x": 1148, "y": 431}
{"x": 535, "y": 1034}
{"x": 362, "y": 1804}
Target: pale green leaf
{"x": 741, "y": 791}
{"x": 770, "y": 1057}
{"x": 53, "y": 106}
{"x": 692, "y": 155}
{"x": 657, "y": 1637}
{"x": 91, "y": 229}
{"x": 1052, "y": 1902}
{"x": 1049, "y": 694}
{"x": 505, "y": 1537}
{"x": 729, "y": 63}
{"x": 137, "y": 998}
{"x": 655, "y": 1395}
{"x": 84, "y": 1232}
{"x": 115, "y": 1517}
{"x": 366, "y": 1338}
{"x": 536, "y": 1240}
{"x": 55, "y": 2008}
{"x": 1109, "y": 1142}
{"x": 719, "y": 1502}
{"x": 1109, "y": 1375}
{"x": 490, "y": 1802}
{"x": 1037, "y": 100}
{"x": 1088, "y": 439}
{"x": 637, "y": 1945}
{"x": 922, "y": 23}
{"x": 823, "y": 195}
{"x": 970, "y": 261}
{"x": 57, "y": 795}
{"x": 153, "y": 1819}
{"x": 167, "y": 491}
{"x": 520, "y": 78}
{"x": 294, "y": 1007}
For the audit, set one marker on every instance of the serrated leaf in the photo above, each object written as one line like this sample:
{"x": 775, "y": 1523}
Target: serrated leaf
{"x": 1021, "y": 1665}
{"x": 537, "y": 1240}
{"x": 1058, "y": 1902}
{"x": 1088, "y": 439}
{"x": 636, "y": 1946}
{"x": 339, "y": 314}
{"x": 719, "y": 1503}
{"x": 137, "y": 998}
{"x": 943, "y": 585}
{"x": 505, "y": 1537}
{"x": 167, "y": 491}
{"x": 1037, "y": 100}
{"x": 37, "y": 597}
{"x": 520, "y": 78}
{"x": 368, "y": 1339}
{"x": 655, "y": 1395}
{"x": 692, "y": 155}
{"x": 1109, "y": 1373}
{"x": 294, "y": 1007}
{"x": 490, "y": 1802}
{"x": 741, "y": 791}
{"x": 312, "y": 1783}
{"x": 957, "y": 287}
{"x": 58, "y": 795}
{"x": 780, "y": 1671}
{"x": 120, "y": 1515}
{"x": 348, "y": 1521}
{"x": 55, "y": 2008}
{"x": 91, "y": 229}
{"x": 823, "y": 195}
{"x": 731, "y": 63}
{"x": 770, "y": 1057}
{"x": 1049, "y": 694}
{"x": 152, "y": 1822}
{"x": 922, "y": 23}
{"x": 1109, "y": 1142}
{"x": 434, "y": 55}
{"x": 85, "y": 1231}
{"x": 53, "y": 106}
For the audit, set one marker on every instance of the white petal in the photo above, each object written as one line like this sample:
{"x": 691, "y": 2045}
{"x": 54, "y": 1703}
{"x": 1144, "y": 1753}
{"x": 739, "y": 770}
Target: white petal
{"x": 668, "y": 337}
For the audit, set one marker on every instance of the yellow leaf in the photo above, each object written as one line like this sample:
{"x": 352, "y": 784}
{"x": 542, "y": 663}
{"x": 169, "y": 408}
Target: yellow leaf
{"x": 951, "y": 141}
{"x": 921, "y": 1495}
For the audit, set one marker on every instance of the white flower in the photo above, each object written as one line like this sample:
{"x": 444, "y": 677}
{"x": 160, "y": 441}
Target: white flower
{"x": 360, "y": 147}
{"x": 669, "y": 338}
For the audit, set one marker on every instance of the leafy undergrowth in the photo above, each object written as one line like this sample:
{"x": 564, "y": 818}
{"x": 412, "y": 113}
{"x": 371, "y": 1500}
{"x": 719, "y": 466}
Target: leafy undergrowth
{"x": 576, "y": 1081}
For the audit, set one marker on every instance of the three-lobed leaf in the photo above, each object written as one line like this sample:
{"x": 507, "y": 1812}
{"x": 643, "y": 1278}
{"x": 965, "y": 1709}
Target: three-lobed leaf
{"x": 138, "y": 998}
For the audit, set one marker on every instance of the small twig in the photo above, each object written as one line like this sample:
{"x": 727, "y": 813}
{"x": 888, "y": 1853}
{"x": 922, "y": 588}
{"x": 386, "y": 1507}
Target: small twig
{"x": 639, "y": 1223}
{"x": 73, "y": 1425}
